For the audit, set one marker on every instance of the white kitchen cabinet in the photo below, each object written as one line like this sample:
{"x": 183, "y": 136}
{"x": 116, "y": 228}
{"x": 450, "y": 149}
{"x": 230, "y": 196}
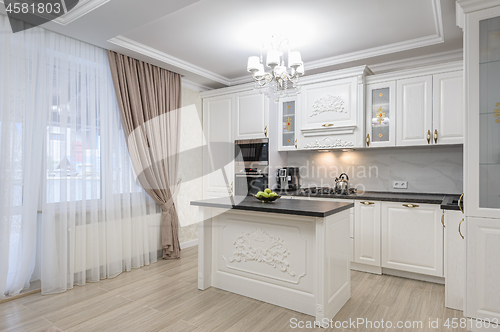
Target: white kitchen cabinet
{"x": 412, "y": 238}
{"x": 483, "y": 268}
{"x": 454, "y": 261}
{"x": 448, "y": 108}
{"x": 367, "y": 233}
{"x": 381, "y": 114}
{"x": 329, "y": 107}
{"x": 288, "y": 116}
{"x": 218, "y": 158}
{"x": 414, "y": 111}
{"x": 481, "y": 23}
{"x": 251, "y": 115}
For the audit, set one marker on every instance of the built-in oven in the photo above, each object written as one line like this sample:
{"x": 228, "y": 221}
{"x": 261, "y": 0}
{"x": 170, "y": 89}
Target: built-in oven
{"x": 250, "y": 180}
{"x": 252, "y": 152}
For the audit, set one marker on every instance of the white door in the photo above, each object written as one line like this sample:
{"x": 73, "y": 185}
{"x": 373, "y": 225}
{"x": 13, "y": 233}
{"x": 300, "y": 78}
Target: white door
{"x": 448, "y": 110}
{"x": 218, "y": 156}
{"x": 454, "y": 261}
{"x": 367, "y": 233}
{"x": 412, "y": 238}
{"x": 381, "y": 114}
{"x": 251, "y": 115}
{"x": 414, "y": 111}
{"x": 483, "y": 268}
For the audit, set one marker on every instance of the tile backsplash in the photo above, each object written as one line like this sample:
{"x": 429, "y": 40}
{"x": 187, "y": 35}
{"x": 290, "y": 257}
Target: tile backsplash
{"x": 436, "y": 169}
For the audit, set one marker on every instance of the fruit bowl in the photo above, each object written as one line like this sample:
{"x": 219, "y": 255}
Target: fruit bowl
{"x": 267, "y": 199}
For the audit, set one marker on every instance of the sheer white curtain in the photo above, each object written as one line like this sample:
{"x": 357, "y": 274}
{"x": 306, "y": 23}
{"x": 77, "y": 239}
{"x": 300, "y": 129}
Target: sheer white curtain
{"x": 96, "y": 221}
{"x": 63, "y": 153}
{"x": 21, "y": 115}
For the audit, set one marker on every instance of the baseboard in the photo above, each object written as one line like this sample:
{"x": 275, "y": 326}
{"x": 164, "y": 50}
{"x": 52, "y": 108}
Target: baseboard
{"x": 189, "y": 244}
{"x": 411, "y": 275}
{"x": 366, "y": 268}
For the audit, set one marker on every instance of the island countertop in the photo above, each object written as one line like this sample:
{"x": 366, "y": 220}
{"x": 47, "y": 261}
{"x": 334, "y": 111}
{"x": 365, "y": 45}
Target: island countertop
{"x": 318, "y": 209}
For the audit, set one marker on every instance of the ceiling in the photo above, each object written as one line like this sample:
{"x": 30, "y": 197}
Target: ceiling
{"x": 209, "y": 41}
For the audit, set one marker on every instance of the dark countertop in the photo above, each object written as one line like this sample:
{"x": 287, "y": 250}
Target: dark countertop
{"x": 450, "y": 202}
{"x": 318, "y": 209}
{"x": 445, "y": 200}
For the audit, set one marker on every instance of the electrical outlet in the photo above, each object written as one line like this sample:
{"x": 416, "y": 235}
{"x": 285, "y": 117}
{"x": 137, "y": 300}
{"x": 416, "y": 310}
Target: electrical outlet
{"x": 400, "y": 184}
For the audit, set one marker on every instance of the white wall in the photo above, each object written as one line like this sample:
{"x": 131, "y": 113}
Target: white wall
{"x": 427, "y": 169}
{"x": 190, "y": 164}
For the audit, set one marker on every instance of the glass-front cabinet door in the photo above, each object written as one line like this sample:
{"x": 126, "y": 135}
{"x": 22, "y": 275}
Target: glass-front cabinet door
{"x": 380, "y": 114}
{"x": 288, "y": 118}
{"x": 482, "y": 195}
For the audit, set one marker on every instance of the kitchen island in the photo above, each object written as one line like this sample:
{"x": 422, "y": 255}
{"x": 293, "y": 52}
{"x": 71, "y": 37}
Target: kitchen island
{"x": 291, "y": 253}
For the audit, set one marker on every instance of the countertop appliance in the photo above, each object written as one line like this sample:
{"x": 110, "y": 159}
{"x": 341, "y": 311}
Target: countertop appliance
{"x": 318, "y": 191}
{"x": 288, "y": 178}
{"x": 252, "y": 152}
{"x": 342, "y": 184}
{"x": 250, "y": 180}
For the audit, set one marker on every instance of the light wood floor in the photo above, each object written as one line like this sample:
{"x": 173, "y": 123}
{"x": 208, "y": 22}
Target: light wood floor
{"x": 164, "y": 297}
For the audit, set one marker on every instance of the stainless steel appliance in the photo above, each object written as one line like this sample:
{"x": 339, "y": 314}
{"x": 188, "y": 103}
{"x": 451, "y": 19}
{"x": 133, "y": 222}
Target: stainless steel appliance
{"x": 252, "y": 152}
{"x": 288, "y": 178}
{"x": 342, "y": 184}
{"x": 319, "y": 191}
{"x": 250, "y": 180}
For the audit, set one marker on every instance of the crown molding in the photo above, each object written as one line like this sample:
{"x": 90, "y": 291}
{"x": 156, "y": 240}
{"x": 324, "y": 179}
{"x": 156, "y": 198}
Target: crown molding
{"x": 418, "y": 61}
{"x": 167, "y": 58}
{"x": 194, "y": 86}
{"x": 81, "y": 9}
{"x": 228, "y": 90}
{"x": 336, "y": 74}
{"x": 469, "y": 6}
{"x": 415, "y": 72}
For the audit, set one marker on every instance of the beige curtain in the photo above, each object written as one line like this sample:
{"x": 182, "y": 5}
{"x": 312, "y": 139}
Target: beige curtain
{"x": 149, "y": 98}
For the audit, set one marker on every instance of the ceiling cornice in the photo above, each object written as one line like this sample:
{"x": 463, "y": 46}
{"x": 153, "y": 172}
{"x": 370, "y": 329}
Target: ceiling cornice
{"x": 345, "y": 58}
{"x": 194, "y": 86}
{"x": 167, "y": 58}
{"x": 418, "y": 61}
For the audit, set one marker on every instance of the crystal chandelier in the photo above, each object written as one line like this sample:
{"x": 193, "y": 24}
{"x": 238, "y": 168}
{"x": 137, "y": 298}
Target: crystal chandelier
{"x": 278, "y": 78}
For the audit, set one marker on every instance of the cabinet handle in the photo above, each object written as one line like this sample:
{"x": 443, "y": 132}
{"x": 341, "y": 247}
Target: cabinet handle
{"x": 367, "y": 203}
{"x": 435, "y": 136}
{"x": 295, "y": 143}
{"x": 231, "y": 187}
{"x": 411, "y": 205}
{"x": 265, "y": 131}
{"x": 460, "y": 228}
{"x": 368, "y": 140}
{"x": 428, "y": 137}
{"x": 459, "y": 203}
{"x": 442, "y": 219}
{"x": 328, "y": 125}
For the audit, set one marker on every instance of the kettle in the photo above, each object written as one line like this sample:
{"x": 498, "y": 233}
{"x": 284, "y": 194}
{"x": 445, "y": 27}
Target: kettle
{"x": 342, "y": 184}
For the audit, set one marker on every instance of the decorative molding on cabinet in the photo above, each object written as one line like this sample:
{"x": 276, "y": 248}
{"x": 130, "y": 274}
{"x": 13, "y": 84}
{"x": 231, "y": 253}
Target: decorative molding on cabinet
{"x": 336, "y": 74}
{"x": 328, "y": 131}
{"x": 228, "y": 90}
{"x": 328, "y": 103}
{"x": 167, "y": 58}
{"x": 329, "y": 143}
{"x": 416, "y": 72}
{"x": 274, "y": 252}
{"x": 469, "y": 6}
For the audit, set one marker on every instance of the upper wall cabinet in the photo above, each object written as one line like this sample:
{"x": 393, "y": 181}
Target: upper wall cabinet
{"x": 448, "y": 115}
{"x": 414, "y": 111}
{"x": 287, "y": 139}
{"x": 381, "y": 114}
{"x": 251, "y": 115}
{"x": 329, "y": 107}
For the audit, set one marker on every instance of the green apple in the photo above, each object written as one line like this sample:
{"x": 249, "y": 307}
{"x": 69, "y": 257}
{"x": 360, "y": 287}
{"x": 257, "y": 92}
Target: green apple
{"x": 268, "y": 191}
{"x": 273, "y": 194}
{"x": 266, "y": 195}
